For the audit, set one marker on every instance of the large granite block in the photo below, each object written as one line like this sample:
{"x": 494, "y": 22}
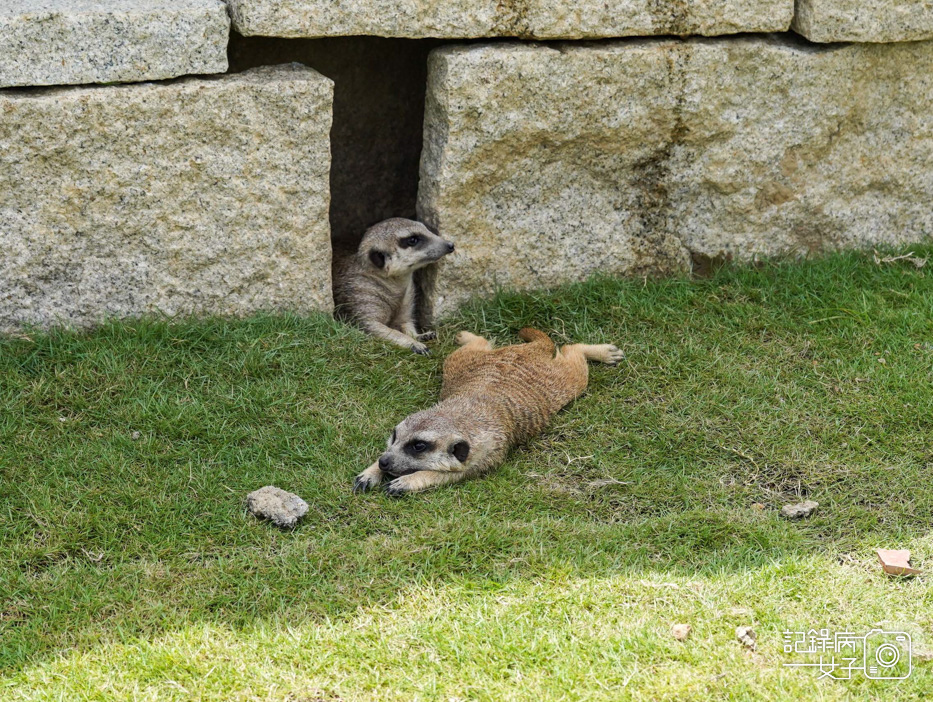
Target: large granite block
{"x": 68, "y": 42}
{"x": 864, "y": 20}
{"x": 546, "y": 164}
{"x": 201, "y": 196}
{"x": 541, "y": 19}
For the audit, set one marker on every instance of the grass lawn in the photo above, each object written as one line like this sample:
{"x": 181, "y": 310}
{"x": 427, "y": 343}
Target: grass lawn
{"x": 129, "y": 568}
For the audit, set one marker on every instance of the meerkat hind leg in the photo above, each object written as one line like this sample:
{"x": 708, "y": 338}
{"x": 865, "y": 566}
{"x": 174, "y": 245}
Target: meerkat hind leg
{"x": 603, "y": 353}
{"x": 574, "y": 357}
{"x": 610, "y": 354}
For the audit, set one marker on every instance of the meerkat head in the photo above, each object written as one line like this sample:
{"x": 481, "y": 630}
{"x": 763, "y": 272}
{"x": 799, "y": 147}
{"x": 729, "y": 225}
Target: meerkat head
{"x": 426, "y": 441}
{"x": 399, "y": 246}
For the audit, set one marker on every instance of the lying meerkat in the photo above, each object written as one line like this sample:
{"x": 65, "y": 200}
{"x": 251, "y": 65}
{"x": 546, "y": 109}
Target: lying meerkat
{"x": 387, "y": 285}
{"x": 490, "y": 401}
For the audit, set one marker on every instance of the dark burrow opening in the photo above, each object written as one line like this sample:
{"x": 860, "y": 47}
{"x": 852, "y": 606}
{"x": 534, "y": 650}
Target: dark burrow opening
{"x": 376, "y": 138}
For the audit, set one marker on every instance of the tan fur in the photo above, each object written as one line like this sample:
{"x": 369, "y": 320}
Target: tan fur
{"x": 386, "y": 286}
{"x": 491, "y": 400}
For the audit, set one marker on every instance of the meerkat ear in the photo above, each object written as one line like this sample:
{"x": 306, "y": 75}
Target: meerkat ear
{"x": 460, "y": 450}
{"x": 377, "y": 258}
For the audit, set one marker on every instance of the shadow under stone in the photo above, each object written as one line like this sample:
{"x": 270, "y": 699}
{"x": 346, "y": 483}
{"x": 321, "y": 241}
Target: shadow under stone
{"x": 376, "y": 138}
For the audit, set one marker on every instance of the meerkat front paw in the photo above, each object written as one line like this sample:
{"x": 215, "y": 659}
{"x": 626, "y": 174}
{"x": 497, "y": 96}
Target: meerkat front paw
{"x": 463, "y": 338}
{"x": 368, "y": 479}
{"x": 398, "y": 487}
{"x": 427, "y": 336}
{"x": 420, "y": 349}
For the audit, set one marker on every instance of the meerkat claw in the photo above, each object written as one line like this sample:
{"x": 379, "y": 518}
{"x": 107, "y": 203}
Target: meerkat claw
{"x": 421, "y": 349}
{"x": 427, "y": 336}
{"x": 368, "y": 479}
{"x": 397, "y": 488}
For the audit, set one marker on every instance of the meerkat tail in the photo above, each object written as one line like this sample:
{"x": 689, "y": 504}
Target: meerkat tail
{"x": 534, "y": 336}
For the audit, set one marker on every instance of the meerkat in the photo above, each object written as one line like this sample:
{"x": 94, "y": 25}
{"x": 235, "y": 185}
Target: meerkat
{"x": 491, "y": 400}
{"x": 387, "y": 285}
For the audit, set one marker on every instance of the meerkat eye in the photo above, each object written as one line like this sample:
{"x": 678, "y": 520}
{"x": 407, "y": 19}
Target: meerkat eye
{"x": 419, "y": 446}
{"x": 460, "y": 451}
{"x": 413, "y": 240}
{"x": 394, "y": 434}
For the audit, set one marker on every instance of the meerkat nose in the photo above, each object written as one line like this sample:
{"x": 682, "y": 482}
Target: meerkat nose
{"x": 450, "y": 247}
{"x": 384, "y": 462}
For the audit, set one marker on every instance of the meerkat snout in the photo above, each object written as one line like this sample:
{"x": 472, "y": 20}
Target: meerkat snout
{"x": 425, "y": 442}
{"x": 399, "y": 247}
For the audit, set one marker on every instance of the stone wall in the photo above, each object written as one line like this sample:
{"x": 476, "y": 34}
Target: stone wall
{"x": 198, "y": 196}
{"x": 726, "y": 148}
{"x": 864, "y": 20}
{"x": 538, "y": 19}
{"x": 70, "y": 42}
{"x": 546, "y": 161}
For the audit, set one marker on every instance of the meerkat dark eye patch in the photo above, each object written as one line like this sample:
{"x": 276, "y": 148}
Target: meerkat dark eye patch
{"x": 377, "y": 258}
{"x": 410, "y": 241}
{"x": 460, "y": 450}
{"x": 414, "y": 448}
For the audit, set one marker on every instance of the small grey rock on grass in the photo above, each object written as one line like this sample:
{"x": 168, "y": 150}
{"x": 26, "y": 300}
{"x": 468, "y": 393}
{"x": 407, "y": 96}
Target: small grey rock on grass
{"x": 799, "y": 511}
{"x": 681, "y": 632}
{"x": 282, "y": 508}
{"x": 747, "y": 637}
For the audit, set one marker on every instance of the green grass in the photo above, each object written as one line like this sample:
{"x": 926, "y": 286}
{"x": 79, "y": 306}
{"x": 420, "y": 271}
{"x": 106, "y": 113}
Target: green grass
{"x": 129, "y": 569}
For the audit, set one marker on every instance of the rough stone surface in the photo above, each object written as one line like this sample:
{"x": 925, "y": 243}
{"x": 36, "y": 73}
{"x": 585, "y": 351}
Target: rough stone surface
{"x": 541, "y": 19}
{"x": 539, "y": 164}
{"x": 201, "y": 196}
{"x": 799, "y": 511}
{"x": 864, "y": 20}
{"x": 282, "y": 508}
{"x": 66, "y": 42}
{"x": 545, "y": 165}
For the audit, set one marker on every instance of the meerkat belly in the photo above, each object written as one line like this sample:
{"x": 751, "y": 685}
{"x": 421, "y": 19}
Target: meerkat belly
{"x": 403, "y": 311}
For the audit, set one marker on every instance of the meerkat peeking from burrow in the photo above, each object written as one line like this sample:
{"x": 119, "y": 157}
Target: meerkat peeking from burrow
{"x": 387, "y": 286}
{"x": 491, "y": 400}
